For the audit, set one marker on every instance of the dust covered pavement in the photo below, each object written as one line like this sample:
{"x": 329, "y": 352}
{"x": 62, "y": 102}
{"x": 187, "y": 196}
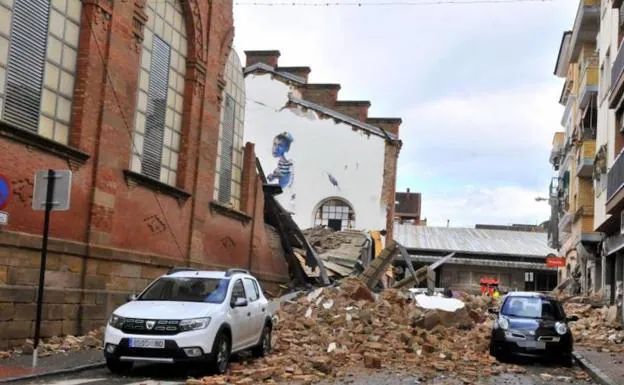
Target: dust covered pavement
{"x": 333, "y": 332}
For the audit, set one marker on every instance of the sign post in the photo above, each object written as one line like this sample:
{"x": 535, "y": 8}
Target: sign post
{"x": 51, "y": 192}
{"x": 6, "y": 191}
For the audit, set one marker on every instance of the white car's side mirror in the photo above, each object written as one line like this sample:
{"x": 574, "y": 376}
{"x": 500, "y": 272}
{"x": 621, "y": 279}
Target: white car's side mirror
{"x": 239, "y": 302}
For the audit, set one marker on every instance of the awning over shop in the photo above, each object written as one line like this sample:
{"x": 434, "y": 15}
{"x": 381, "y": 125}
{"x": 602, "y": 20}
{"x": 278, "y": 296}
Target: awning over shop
{"x": 484, "y": 262}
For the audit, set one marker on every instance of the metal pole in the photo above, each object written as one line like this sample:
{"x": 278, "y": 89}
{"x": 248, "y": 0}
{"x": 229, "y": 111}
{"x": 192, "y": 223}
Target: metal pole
{"x": 44, "y": 252}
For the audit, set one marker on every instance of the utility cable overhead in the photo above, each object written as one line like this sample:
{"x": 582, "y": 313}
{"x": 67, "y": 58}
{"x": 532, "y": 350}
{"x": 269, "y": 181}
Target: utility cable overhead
{"x": 382, "y": 3}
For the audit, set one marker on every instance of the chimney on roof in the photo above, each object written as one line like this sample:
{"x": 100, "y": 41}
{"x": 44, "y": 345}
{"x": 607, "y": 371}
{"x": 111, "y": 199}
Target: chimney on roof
{"x": 408, "y": 190}
{"x": 357, "y": 109}
{"x": 323, "y": 94}
{"x": 390, "y": 125}
{"x": 267, "y": 57}
{"x": 302, "y": 72}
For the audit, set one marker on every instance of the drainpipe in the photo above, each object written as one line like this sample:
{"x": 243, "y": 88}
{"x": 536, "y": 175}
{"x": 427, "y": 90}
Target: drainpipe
{"x": 253, "y": 223}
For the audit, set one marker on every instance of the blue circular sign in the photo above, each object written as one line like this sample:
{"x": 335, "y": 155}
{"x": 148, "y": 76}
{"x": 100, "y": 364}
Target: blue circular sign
{"x": 5, "y": 191}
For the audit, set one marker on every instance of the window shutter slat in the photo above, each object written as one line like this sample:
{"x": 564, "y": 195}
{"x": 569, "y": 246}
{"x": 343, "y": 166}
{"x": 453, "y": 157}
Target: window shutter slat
{"x": 156, "y": 108}
{"x": 27, "y": 53}
{"x": 227, "y": 150}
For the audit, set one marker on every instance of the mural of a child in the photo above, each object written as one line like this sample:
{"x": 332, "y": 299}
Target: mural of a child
{"x": 284, "y": 173}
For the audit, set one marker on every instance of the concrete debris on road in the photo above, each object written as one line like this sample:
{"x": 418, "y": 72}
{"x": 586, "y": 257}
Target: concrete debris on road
{"x": 595, "y": 329}
{"x": 314, "y": 342}
{"x": 55, "y": 345}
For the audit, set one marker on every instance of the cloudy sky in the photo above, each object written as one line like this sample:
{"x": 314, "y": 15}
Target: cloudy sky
{"x": 474, "y": 85}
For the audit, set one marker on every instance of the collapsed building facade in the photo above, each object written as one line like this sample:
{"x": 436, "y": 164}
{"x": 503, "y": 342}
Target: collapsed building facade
{"x": 335, "y": 164}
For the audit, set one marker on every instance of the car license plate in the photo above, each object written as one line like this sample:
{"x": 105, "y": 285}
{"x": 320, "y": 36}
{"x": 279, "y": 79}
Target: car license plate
{"x": 535, "y": 345}
{"x": 147, "y": 344}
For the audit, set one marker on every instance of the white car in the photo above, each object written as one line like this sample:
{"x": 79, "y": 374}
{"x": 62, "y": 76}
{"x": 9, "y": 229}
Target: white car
{"x": 190, "y": 316}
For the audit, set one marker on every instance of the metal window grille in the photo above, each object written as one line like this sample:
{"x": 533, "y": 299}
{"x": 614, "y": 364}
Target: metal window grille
{"x": 26, "y": 62}
{"x": 227, "y": 149}
{"x": 156, "y": 108}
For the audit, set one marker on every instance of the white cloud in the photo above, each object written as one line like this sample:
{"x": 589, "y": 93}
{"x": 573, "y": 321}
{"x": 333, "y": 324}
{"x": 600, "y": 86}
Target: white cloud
{"x": 469, "y": 205}
{"x": 472, "y": 83}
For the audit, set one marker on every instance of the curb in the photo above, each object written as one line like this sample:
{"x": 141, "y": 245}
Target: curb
{"x": 595, "y": 372}
{"x": 97, "y": 365}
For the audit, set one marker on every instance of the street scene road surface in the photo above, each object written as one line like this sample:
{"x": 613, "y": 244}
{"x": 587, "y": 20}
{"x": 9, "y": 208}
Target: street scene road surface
{"x": 166, "y": 375}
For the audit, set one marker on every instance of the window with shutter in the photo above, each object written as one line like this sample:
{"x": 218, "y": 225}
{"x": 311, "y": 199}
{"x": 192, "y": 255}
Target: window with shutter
{"x": 38, "y": 49}
{"x": 230, "y": 148}
{"x": 158, "y": 121}
{"x": 227, "y": 149}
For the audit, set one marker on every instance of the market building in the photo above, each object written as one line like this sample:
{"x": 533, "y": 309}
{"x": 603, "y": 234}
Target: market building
{"x": 138, "y": 99}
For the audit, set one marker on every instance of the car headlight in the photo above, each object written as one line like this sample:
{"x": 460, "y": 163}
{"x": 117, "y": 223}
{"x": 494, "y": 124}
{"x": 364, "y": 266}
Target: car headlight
{"x": 561, "y": 328}
{"x": 503, "y": 323}
{"x": 194, "y": 324}
{"x": 116, "y": 321}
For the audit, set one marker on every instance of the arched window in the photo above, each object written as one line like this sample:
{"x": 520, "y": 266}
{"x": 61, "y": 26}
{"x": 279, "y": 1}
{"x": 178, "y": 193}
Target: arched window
{"x": 158, "y": 122}
{"x": 38, "y": 50}
{"x": 230, "y": 148}
{"x": 336, "y": 214}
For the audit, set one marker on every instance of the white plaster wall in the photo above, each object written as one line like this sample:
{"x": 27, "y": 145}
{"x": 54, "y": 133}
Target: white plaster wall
{"x": 607, "y": 42}
{"x": 320, "y": 147}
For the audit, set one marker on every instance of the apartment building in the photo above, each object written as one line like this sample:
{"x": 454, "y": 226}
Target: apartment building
{"x": 609, "y": 162}
{"x": 573, "y": 152}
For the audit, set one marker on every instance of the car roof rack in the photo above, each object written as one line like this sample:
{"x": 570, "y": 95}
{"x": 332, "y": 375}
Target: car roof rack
{"x": 174, "y": 270}
{"x": 231, "y": 272}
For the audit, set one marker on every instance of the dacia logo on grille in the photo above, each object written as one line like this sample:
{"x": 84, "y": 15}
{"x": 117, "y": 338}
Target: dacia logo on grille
{"x": 150, "y": 324}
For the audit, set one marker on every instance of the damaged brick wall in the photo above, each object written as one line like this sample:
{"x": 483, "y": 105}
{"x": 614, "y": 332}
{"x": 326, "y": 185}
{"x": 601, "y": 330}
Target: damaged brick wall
{"x": 123, "y": 229}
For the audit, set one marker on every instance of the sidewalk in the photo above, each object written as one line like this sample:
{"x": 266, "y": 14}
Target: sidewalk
{"x": 606, "y": 368}
{"x": 21, "y": 367}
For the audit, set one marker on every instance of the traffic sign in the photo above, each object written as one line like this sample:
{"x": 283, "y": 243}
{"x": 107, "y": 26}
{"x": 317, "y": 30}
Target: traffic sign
{"x": 555, "y": 262}
{"x": 61, "y": 190}
{"x": 6, "y": 191}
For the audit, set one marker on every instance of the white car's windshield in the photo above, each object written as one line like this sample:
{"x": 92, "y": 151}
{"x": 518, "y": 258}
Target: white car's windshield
{"x": 187, "y": 289}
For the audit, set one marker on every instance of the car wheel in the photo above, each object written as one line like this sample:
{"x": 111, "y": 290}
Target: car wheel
{"x": 264, "y": 346}
{"x": 117, "y": 366}
{"x": 221, "y": 352}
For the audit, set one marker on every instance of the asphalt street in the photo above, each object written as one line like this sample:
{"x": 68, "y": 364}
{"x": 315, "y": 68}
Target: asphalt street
{"x": 171, "y": 375}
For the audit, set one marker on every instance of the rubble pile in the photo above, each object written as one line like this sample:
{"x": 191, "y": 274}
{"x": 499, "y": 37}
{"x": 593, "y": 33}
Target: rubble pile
{"x": 335, "y": 331}
{"x": 54, "y": 345}
{"x": 597, "y": 326}
{"x": 323, "y": 238}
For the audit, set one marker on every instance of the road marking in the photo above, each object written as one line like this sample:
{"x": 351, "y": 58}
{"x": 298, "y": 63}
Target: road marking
{"x": 79, "y": 381}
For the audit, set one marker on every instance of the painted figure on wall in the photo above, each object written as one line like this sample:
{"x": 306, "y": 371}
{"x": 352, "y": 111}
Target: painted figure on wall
{"x": 284, "y": 173}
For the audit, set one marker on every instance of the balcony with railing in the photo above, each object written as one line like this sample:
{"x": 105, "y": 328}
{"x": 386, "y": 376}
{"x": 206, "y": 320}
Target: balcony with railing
{"x": 617, "y": 80}
{"x": 586, "y": 27}
{"x": 556, "y": 152}
{"x": 615, "y": 186}
{"x": 585, "y": 159}
{"x": 588, "y": 85}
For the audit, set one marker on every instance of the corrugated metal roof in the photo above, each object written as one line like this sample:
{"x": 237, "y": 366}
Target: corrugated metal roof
{"x": 473, "y": 241}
